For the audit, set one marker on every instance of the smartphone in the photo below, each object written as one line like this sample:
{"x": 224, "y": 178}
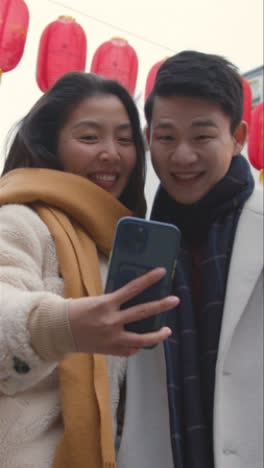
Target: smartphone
{"x": 139, "y": 246}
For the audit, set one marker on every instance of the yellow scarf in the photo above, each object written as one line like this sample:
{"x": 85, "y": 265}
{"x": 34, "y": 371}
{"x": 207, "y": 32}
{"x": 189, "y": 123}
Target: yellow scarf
{"x": 80, "y": 217}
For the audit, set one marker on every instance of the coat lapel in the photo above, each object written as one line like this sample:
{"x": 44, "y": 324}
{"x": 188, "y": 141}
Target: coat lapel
{"x": 245, "y": 267}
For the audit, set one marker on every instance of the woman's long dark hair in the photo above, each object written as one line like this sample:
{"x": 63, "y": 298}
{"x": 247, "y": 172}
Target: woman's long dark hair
{"x": 35, "y": 143}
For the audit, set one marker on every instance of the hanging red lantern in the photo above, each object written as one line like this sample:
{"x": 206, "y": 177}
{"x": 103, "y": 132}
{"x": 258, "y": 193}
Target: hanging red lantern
{"x": 256, "y": 139}
{"x": 117, "y": 60}
{"x": 14, "y": 19}
{"x": 247, "y": 101}
{"x": 62, "y": 48}
{"x": 151, "y": 77}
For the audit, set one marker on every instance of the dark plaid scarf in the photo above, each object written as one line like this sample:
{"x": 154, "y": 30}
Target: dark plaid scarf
{"x": 191, "y": 351}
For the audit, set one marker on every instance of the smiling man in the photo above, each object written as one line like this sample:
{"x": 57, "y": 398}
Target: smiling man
{"x": 192, "y": 145}
{"x": 196, "y": 402}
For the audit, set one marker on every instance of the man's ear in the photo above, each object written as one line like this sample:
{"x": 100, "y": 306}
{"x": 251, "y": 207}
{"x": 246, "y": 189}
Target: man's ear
{"x": 240, "y": 137}
{"x": 147, "y": 132}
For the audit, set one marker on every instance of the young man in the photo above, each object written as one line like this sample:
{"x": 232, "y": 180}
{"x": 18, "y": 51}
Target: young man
{"x": 196, "y": 402}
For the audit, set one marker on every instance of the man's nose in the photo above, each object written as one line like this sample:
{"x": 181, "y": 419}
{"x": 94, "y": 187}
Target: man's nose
{"x": 184, "y": 154}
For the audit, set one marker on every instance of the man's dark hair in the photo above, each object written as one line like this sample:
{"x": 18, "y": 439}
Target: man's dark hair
{"x": 192, "y": 73}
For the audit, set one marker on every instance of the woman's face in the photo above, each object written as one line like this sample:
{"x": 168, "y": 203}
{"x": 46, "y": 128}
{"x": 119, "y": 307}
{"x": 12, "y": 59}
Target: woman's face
{"x": 97, "y": 143}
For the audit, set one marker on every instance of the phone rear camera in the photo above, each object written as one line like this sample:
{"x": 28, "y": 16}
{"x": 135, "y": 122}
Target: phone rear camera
{"x": 140, "y": 236}
{"x": 127, "y": 228}
{"x": 125, "y": 243}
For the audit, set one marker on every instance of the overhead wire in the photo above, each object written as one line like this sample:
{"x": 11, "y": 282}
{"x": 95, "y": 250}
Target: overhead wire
{"x": 118, "y": 28}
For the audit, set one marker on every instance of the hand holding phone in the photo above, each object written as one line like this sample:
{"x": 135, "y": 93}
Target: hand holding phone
{"x": 139, "y": 246}
{"x": 97, "y": 322}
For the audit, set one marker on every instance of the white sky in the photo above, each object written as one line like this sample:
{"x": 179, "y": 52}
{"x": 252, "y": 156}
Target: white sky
{"x": 154, "y": 28}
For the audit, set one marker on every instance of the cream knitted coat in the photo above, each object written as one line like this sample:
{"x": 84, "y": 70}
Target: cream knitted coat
{"x": 30, "y": 413}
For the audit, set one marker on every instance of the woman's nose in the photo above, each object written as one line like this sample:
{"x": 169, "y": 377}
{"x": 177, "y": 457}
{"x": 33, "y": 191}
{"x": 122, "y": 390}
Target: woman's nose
{"x": 109, "y": 151}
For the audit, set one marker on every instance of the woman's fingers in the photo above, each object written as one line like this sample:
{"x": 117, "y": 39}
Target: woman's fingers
{"x": 137, "y": 341}
{"x": 131, "y": 343}
{"x": 136, "y": 286}
{"x": 147, "y": 309}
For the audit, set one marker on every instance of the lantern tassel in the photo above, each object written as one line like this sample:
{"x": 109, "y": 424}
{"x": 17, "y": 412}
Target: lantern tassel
{"x": 0, "y": 74}
{"x": 66, "y": 17}
{"x": 261, "y": 176}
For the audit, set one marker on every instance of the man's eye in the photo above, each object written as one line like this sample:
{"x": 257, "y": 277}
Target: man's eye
{"x": 203, "y": 137}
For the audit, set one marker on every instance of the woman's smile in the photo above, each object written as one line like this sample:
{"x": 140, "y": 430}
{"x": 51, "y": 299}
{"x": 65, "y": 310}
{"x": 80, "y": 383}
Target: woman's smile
{"x": 104, "y": 180}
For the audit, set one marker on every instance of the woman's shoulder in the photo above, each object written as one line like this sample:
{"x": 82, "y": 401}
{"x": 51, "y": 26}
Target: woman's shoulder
{"x": 22, "y": 217}
{"x": 23, "y": 230}
{"x": 11, "y": 210}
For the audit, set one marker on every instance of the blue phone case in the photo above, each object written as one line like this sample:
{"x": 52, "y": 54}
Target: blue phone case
{"x": 139, "y": 246}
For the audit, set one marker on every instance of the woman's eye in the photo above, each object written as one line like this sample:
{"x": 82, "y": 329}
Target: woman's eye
{"x": 89, "y": 138}
{"x": 126, "y": 140}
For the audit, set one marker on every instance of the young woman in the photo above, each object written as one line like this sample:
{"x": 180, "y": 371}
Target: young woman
{"x": 75, "y": 167}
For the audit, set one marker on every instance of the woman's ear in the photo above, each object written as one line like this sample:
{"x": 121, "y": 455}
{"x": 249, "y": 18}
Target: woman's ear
{"x": 240, "y": 137}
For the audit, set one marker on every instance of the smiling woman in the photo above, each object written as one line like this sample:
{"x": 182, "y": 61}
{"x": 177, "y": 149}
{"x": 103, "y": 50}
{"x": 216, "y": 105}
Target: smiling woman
{"x": 75, "y": 167}
{"x": 62, "y": 116}
{"x": 97, "y": 142}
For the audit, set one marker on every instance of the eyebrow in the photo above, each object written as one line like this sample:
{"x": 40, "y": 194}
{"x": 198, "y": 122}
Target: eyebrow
{"x": 164, "y": 125}
{"x": 86, "y": 123}
{"x": 94, "y": 124}
{"x": 198, "y": 123}
{"x": 204, "y": 123}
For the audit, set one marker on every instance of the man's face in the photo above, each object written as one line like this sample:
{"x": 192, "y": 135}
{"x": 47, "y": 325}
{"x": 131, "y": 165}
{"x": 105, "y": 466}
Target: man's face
{"x": 191, "y": 145}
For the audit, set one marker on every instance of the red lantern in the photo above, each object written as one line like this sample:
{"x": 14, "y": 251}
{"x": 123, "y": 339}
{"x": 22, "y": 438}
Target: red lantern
{"x": 151, "y": 77}
{"x": 256, "y": 139}
{"x": 247, "y": 102}
{"x": 62, "y": 48}
{"x": 117, "y": 60}
{"x": 14, "y": 19}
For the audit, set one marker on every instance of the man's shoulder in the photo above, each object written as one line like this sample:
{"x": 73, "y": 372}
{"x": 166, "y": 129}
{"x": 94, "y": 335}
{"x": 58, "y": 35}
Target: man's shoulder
{"x": 255, "y": 201}
{"x": 248, "y": 242}
{"x": 250, "y": 225}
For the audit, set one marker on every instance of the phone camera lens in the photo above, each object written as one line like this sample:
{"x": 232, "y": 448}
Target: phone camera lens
{"x": 125, "y": 243}
{"x": 127, "y": 228}
{"x": 139, "y": 238}
{"x": 140, "y": 235}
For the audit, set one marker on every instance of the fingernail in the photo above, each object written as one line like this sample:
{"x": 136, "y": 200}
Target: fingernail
{"x": 161, "y": 270}
{"x": 173, "y": 299}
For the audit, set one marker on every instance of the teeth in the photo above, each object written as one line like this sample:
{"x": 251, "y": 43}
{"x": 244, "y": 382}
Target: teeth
{"x": 105, "y": 177}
